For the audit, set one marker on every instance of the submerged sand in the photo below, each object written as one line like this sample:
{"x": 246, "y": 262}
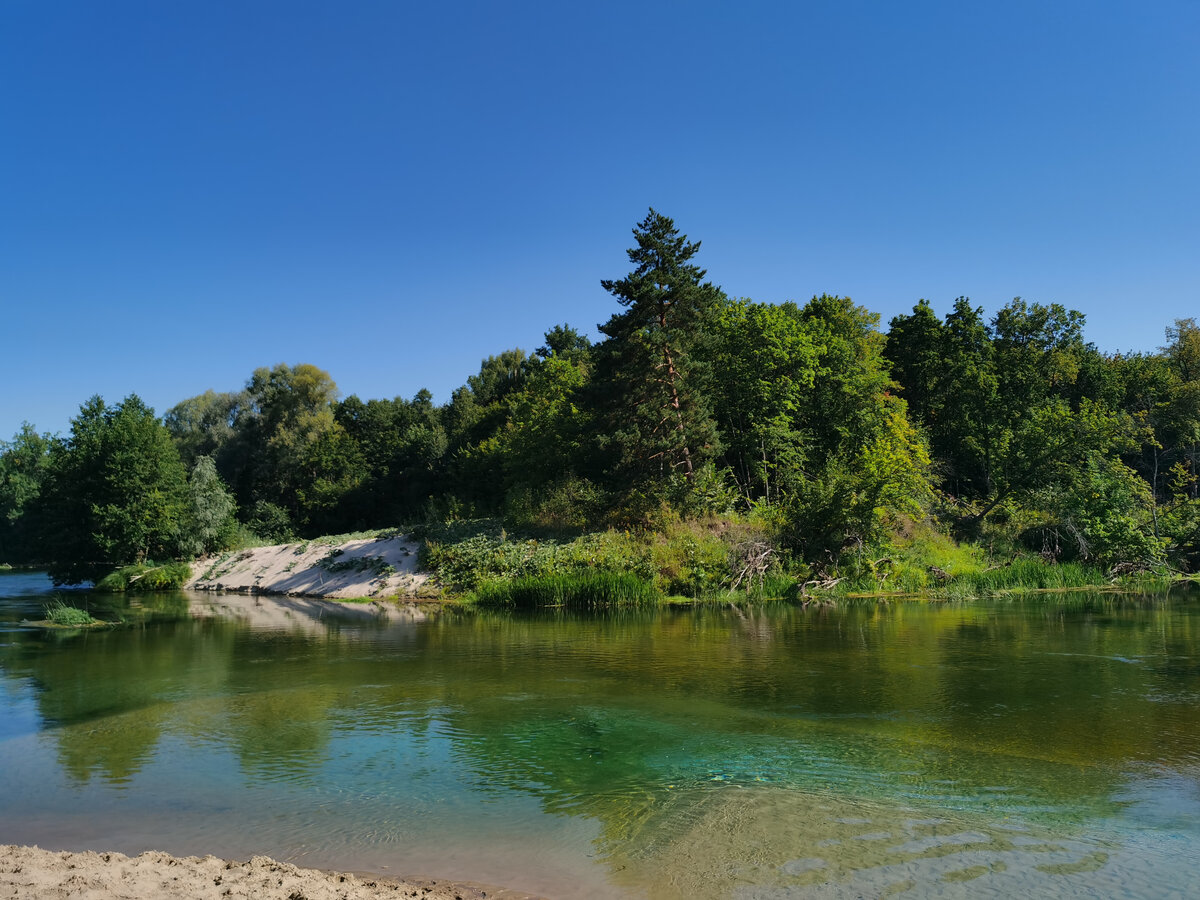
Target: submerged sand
{"x": 29, "y": 872}
{"x": 383, "y": 568}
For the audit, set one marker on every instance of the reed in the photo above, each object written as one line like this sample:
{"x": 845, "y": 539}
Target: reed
{"x": 581, "y": 590}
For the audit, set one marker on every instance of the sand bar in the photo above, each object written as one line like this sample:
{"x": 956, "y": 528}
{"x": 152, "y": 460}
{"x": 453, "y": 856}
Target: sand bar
{"x": 29, "y": 872}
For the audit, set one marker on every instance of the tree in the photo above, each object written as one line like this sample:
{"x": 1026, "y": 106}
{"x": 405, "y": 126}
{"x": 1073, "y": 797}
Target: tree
{"x": 1183, "y": 352}
{"x": 916, "y": 349}
{"x": 866, "y": 467}
{"x": 653, "y": 369}
{"x": 947, "y": 373}
{"x": 564, "y": 342}
{"x": 210, "y": 519}
{"x": 23, "y": 463}
{"x": 399, "y": 445}
{"x": 206, "y": 424}
{"x": 766, "y": 365}
{"x": 115, "y": 491}
{"x": 288, "y": 411}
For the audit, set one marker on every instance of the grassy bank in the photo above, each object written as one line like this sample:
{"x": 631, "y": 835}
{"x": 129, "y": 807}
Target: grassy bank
{"x": 728, "y": 560}
{"x": 718, "y": 560}
{"x": 479, "y": 561}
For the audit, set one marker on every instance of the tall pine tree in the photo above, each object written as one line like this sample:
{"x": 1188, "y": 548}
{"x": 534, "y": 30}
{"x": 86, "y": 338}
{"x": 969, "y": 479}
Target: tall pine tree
{"x": 653, "y": 370}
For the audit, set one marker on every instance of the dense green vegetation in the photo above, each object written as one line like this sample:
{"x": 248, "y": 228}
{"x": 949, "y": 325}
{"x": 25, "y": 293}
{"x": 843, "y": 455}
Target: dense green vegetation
{"x": 705, "y": 444}
{"x": 65, "y": 616}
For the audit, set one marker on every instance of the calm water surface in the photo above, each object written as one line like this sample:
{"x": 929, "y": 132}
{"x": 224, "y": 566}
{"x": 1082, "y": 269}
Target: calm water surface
{"x": 1049, "y": 747}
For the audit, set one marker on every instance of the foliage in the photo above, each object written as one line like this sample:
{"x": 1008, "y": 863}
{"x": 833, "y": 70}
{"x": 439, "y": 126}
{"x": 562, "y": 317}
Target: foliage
{"x": 115, "y": 491}
{"x": 271, "y": 522}
{"x": 466, "y": 554}
{"x": 653, "y": 371}
{"x": 579, "y": 590}
{"x": 1011, "y": 433}
{"x": 206, "y": 425}
{"x": 59, "y": 613}
{"x": 210, "y": 523}
{"x": 763, "y": 378}
{"x": 146, "y": 577}
{"x": 375, "y": 565}
{"x": 23, "y": 463}
{"x": 568, "y": 503}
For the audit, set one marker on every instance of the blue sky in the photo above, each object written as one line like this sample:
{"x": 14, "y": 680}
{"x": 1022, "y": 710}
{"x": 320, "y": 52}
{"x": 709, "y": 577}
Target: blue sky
{"x": 392, "y": 191}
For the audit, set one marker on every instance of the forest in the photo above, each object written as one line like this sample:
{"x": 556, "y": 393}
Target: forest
{"x": 705, "y": 442}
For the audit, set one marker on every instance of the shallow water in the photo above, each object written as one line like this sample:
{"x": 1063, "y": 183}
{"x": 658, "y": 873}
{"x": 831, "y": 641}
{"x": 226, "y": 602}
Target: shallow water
{"x": 1048, "y": 746}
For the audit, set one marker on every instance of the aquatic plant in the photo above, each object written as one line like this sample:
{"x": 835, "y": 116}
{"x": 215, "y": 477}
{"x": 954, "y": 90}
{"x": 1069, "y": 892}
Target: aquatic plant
{"x": 587, "y": 590}
{"x": 59, "y": 613}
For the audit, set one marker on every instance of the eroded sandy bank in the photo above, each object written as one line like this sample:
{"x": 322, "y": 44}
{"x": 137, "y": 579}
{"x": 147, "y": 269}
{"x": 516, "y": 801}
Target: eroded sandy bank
{"x": 29, "y": 872}
{"x": 367, "y": 568}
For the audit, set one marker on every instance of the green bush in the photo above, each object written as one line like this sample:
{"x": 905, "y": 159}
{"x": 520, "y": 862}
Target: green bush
{"x": 146, "y": 577}
{"x": 690, "y": 561}
{"x": 271, "y": 523}
{"x": 570, "y": 504}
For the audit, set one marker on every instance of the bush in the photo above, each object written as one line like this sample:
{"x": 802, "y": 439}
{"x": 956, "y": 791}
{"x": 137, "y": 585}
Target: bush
{"x": 146, "y": 577}
{"x": 569, "y": 504}
{"x": 271, "y": 522}
{"x": 690, "y": 561}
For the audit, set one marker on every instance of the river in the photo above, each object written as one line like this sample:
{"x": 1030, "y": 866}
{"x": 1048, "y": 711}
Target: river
{"x": 1047, "y": 746}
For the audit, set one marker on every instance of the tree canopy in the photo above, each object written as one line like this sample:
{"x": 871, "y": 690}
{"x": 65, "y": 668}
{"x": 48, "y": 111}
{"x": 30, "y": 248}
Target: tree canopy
{"x": 806, "y": 417}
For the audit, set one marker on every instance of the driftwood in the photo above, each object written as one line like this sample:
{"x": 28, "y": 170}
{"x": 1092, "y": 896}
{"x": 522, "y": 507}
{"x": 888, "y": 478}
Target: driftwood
{"x": 820, "y": 584}
{"x": 753, "y": 559}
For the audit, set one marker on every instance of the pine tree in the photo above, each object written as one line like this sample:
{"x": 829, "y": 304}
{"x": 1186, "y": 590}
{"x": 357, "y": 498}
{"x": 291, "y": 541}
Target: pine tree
{"x": 653, "y": 370}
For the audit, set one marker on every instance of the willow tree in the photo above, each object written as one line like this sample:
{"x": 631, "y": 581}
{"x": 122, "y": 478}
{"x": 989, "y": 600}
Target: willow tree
{"x": 652, "y": 371}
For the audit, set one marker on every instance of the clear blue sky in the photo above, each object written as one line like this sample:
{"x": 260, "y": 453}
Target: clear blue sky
{"x": 392, "y": 191}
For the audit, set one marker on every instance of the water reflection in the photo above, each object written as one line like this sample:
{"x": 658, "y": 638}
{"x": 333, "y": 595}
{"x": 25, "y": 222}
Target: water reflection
{"x": 695, "y": 752}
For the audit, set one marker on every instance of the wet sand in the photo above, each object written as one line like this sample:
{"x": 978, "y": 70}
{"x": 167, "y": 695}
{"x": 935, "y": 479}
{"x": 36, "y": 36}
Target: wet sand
{"x": 29, "y": 872}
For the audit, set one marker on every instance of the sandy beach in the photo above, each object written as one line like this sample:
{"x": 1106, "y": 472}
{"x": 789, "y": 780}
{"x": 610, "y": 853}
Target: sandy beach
{"x": 361, "y": 569}
{"x": 29, "y": 872}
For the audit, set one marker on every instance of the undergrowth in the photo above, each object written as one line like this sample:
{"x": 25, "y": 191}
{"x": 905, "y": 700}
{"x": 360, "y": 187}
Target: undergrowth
{"x": 146, "y": 577}
{"x": 691, "y": 559}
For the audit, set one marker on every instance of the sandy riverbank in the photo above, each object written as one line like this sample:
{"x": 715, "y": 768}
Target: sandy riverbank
{"x": 368, "y": 568}
{"x": 29, "y": 872}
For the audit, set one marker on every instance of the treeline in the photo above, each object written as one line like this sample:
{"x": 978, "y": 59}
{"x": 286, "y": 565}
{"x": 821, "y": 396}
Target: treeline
{"x": 834, "y": 438}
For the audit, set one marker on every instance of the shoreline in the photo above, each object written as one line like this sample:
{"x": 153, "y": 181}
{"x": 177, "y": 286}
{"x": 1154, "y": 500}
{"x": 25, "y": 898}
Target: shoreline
{"x": 34, "y": 872}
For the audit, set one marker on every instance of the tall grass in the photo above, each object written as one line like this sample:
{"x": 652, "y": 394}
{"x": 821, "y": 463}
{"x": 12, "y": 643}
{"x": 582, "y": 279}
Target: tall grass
{"x": 1022, "y": 576}
{"x": 59, "y": 613}
{"x": 581, "y": 590}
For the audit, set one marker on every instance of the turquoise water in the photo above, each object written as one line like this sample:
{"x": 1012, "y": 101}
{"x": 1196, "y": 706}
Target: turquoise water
{"x": 1049, "y": 746}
